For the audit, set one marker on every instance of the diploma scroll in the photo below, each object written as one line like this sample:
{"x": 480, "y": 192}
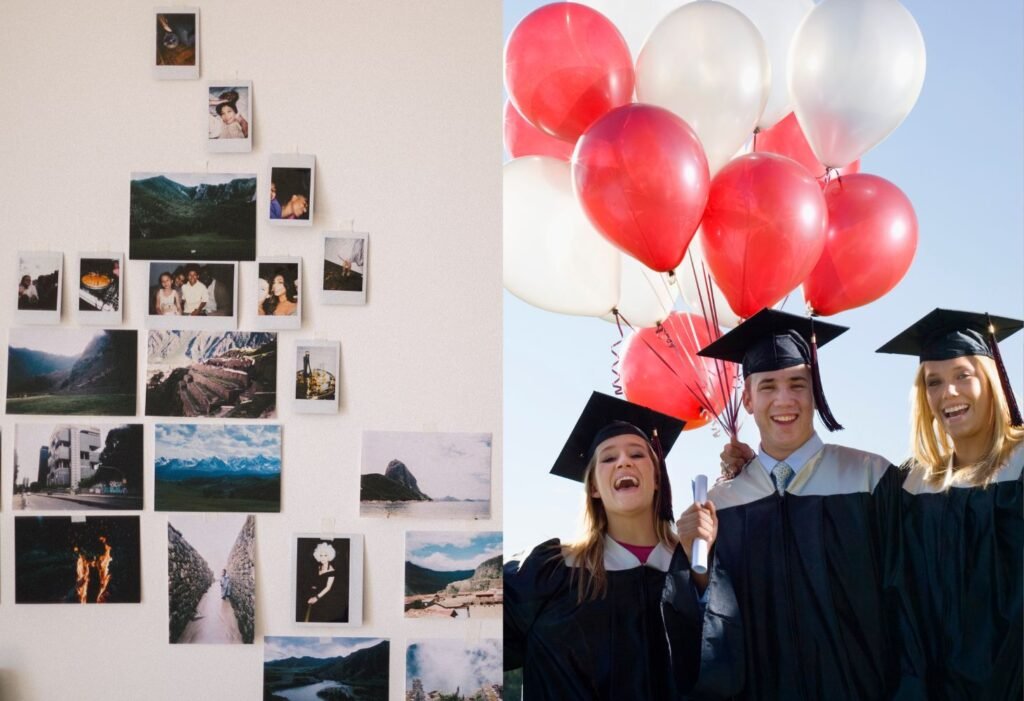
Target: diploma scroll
{"x": 699, "y": 555}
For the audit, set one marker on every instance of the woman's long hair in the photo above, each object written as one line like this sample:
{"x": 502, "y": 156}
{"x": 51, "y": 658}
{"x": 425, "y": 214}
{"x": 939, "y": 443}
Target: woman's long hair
{"x": 932, "y": 447}
{"x": 290, "y": 291}
{"x": 587, "y": 552}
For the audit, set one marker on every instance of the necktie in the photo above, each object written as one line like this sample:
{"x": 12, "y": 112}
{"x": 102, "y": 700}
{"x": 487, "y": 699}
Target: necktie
{"x": 782, "y": 474}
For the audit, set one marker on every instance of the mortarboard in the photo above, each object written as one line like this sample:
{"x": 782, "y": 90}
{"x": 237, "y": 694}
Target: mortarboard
{"x": 605, "y": 417}
{"x": 944, "y": 334}
{"x": 773, "y": 340}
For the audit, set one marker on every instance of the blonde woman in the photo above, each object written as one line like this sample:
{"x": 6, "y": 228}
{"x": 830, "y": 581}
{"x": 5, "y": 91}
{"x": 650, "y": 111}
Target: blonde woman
{"x": 584, "y": 619}
{"x": 961, "y": 524}
{"x": 323, "y": 604}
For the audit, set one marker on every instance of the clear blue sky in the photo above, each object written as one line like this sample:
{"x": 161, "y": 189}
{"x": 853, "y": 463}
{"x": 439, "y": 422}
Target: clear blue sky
{"x": 958, "y": 157}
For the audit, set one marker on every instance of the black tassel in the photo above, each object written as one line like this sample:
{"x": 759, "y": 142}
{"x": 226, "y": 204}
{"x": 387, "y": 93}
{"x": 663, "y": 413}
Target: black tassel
{"x": 819, "y": 394}
{"x": 664, "y": 486}
{"x": 1004, "y": 379}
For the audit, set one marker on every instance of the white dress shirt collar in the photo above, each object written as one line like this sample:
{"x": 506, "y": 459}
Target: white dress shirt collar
{"x": 797, "y": 459}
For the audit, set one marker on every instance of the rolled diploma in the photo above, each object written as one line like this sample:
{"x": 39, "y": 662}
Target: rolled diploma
{"x": 699, "y": 555}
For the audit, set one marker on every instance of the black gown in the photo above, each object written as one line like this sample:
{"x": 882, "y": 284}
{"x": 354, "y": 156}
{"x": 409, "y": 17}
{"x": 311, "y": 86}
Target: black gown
{"x": 613, "y": 648}
{"x": 961, "y": 588}
{"x": 333, "y": 606}
{"x": 796, "y": 606}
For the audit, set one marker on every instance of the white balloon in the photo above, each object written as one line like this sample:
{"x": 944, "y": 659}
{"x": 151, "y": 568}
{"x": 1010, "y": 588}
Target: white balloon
{"x": 777, "y": 21}
{"x": 856, "y": 68}
{"x": 634, "y": 18}
{"x": 552, "y": 257}
{"x": 645, "y": 296}
{"x": 694, "y": 289}
{"x": 707, "y": 63}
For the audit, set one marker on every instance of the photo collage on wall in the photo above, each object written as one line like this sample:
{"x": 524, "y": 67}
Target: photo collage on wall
{"x": 203, "y": 449}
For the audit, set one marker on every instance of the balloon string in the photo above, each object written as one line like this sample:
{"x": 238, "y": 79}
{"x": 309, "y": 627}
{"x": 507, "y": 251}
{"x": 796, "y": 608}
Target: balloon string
{"x": 617, "y": 382}
{"x": 730, "y": 398}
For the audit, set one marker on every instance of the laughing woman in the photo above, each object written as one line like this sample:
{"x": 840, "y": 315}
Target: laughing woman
{"x": 961, "y": 526}
{"x": 584, "y": 619}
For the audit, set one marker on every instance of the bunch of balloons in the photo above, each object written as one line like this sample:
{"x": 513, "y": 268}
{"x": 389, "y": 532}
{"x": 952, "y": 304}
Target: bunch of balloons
{"x": 726, "y": 140}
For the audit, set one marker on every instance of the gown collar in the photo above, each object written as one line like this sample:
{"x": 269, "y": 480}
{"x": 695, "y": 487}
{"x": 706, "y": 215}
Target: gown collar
{"x": 618, "y": 558}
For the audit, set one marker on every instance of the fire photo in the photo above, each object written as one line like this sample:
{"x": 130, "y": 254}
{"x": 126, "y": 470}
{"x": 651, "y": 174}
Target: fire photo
{"x": 76, "y": 560}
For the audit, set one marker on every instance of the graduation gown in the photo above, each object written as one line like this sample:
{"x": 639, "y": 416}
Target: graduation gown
{"x": 612, "y": 648}
{"x": 961, "y": 586}
{"x": 796, "y": 608}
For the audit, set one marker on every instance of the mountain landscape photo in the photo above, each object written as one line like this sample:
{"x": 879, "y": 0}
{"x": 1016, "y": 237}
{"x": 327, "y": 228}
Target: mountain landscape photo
{"x": 192, "y": 216}
{"x": 219, "y": 374}
{"x": 72, "y": 371}
{"x": 340, "y": 669}
{"x": 425, "y": 475}
{"x": 234, "y": 467}
{"x": 453, "y": 575}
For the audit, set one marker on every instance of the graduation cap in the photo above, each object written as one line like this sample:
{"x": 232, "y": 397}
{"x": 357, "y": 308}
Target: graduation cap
{"x": 773, "y": 340}
{"x": 606, "y": 417}
{"x": 944, "y": 334}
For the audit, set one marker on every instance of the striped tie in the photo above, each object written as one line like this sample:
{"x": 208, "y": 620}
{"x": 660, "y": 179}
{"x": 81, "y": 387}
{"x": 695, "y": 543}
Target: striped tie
{"x": 781, "y": 475}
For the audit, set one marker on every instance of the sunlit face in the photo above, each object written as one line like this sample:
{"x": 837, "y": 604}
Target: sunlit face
{"x": 278, "y": 288}
{"x": 193, "y": 277}
{"x": 165, "y": 281}
{"x": 228, "y": 114}
{"x": 959, "y": 396}
{"x": 782, "y": 404}
{"x": 625, "y": 476}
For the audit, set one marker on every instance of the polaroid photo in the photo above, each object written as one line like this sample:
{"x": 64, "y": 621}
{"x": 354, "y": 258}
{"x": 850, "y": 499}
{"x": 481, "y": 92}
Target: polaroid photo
{"x": 194, "y": 295}
{"x": 454, "y": 668}
{"x": 176, "y": 43}
{"x": 213, "y": 374}
{"x": 77, "y": 560}
{"x": 72, "y": 371}
{"x": 292, "y": 189}
{"x": 100, "y": 288}
{"x": 192, "y": 216}
{"x": 218, "y": 467}
{"x": 229, "y": 117}
{"x": 310, "y": 667}
{"x": 39, "y": 275}
{"x": 77, "y": 467}
{"x": 453, "y": 575}
{"x": 345, "y": 266}
{"x": 278, "y": 293}
{"x": 328, "y": 584}
{"x": 425, "y": 475}
{"x": 211, "y": 578}
{"x": 317, "y": 365}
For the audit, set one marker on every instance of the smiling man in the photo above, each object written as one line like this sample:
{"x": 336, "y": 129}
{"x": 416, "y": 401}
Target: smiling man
{"x": 793, "y": 607}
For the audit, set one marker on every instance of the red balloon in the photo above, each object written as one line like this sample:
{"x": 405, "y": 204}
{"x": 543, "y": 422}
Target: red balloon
{"x": 646, "y": 380}
{"x": 787, "y": 139}
{"x": 524, "y": 139}
{"x": 870, "y": 243}
{"x": 763, "y": 229}
{"x": 642, "y": 178}
{"x": 566, "y": 65}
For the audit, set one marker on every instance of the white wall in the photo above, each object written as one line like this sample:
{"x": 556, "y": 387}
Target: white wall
{"x": 400, "y": 102}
